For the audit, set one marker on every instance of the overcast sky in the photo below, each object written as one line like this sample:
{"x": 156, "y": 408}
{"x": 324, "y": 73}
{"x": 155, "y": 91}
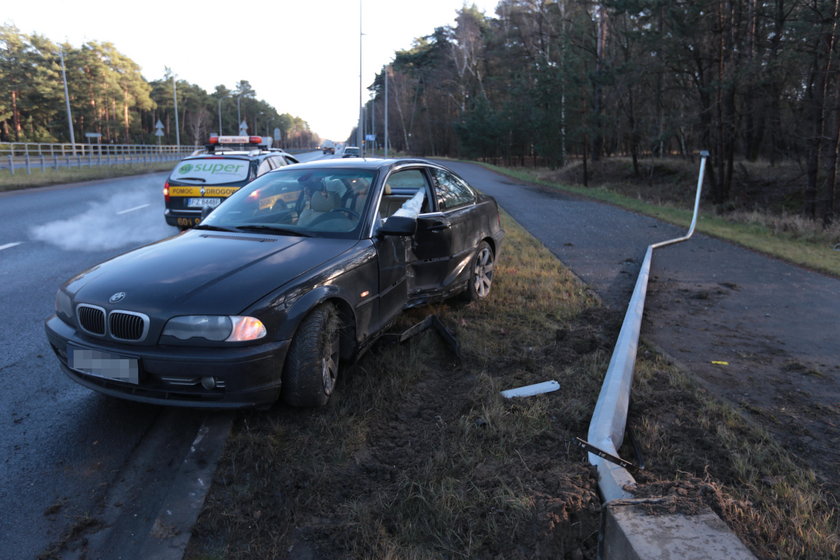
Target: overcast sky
{"x": 301, "y": 57}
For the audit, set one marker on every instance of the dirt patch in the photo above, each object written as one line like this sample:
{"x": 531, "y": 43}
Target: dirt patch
{"x": 793, "y": 397}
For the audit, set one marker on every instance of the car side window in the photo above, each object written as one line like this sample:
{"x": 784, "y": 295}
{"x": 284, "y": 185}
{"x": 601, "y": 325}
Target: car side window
{"x": 399, "y": 188}
{"x": 450, "y": 191}
{"x": 265, "y": 167}
{"x": 277, "y": 162}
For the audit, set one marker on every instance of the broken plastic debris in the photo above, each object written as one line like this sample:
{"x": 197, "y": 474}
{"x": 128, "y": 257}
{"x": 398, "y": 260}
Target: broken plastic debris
{"x": 531, "y": 390}
{"x": 720, "y": 363}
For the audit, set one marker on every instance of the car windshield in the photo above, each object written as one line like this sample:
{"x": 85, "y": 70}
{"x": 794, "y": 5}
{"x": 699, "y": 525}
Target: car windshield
{"x": 211, "y": 171}
{"x": 320, "y": 202}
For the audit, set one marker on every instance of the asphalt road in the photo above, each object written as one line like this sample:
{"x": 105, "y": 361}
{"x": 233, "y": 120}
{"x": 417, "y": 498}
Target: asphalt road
{"x": 62, "y": 445}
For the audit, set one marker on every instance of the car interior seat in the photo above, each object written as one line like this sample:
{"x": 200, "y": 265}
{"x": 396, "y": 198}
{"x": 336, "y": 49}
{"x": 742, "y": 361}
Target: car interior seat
{"x": 320, "y": 203}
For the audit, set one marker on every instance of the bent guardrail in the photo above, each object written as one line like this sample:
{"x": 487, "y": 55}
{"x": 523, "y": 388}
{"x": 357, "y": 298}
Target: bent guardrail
{"x": 609, "y": 420}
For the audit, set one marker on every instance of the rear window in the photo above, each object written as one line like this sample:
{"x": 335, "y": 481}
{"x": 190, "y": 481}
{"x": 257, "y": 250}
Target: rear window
{"x": 214, "y": 171}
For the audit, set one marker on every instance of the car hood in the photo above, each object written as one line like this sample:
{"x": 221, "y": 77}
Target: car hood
{"x": 203, "y": 272}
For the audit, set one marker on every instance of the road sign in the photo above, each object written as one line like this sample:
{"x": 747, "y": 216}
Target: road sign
{"x": 243, "y": 128}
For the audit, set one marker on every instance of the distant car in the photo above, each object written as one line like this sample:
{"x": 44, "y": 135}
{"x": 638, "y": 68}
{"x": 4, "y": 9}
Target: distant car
{"x": 351, "y": 151}
{"x": 200, "y": 182}
{"x": 296, "y": 272}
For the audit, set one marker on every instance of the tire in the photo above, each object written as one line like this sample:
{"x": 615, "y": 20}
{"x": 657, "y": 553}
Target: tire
{"x": 481, "y": 273}
{"x": 313, "y": 360}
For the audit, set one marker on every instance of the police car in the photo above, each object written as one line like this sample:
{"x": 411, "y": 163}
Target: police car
{"x": 200, "y": 182}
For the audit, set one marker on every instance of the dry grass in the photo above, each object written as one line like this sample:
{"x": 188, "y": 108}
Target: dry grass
{"x": 417, "y": 456}
{"x": 789, "y": 225}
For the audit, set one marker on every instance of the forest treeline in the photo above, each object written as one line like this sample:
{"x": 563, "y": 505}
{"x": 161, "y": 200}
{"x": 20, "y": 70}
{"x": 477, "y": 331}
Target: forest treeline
{"x": 108, "y": 95}
{"x": 548, "y": 80}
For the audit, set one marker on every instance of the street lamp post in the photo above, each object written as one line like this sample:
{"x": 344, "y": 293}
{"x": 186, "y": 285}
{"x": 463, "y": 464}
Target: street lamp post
{"x": 220, "y": 115}
{"x": 361, "y": 109}
{"x": 177, "y": 126}
{"x": 67, "y": 100}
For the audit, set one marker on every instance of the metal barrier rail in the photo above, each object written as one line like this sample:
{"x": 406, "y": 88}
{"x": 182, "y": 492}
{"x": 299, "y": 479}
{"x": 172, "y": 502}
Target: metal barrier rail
{"x": 609, "y": 420}
{"x": 42, "y": 156}
{"x": 34, "y": 149}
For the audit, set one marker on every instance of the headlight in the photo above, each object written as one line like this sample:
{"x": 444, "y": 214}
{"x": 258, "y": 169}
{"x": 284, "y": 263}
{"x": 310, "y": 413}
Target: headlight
{"x": 215, "y": 327}
{"x": 63, "y": 305}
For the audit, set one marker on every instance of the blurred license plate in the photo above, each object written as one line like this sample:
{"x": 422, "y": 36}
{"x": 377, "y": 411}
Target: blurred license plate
{"x": 103, "y": 364}
{"x": 202, "y": 202}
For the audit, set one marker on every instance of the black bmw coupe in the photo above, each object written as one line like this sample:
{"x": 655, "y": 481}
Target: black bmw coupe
{"x": 295, "y": 273}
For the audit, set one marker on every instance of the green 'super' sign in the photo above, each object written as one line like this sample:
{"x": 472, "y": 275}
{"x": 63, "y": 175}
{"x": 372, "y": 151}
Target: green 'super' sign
{"x": 211, "y": 168}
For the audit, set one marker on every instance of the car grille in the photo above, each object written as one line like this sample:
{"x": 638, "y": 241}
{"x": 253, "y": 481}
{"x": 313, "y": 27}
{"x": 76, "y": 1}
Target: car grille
{"x": 127, "y": 326}
{"x": 121, "y": 325}
{"x": 92, "y": 319}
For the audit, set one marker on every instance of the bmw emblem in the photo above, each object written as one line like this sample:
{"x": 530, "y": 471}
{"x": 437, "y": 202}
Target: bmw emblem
{"x": 116, "y": 298}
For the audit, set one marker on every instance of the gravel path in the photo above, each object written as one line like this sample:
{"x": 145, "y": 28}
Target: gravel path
{"x": 775, "y": 325}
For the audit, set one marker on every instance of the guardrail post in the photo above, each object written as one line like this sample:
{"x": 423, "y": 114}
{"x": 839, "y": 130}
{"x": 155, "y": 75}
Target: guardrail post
{"x": 12, "y": 164}
{"x": 28, "y": 163}
{"x": 43, "y": 163}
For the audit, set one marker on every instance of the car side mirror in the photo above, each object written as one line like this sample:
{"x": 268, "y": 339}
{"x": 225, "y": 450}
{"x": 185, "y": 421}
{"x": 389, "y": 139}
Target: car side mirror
{"x": 398, "y": 225}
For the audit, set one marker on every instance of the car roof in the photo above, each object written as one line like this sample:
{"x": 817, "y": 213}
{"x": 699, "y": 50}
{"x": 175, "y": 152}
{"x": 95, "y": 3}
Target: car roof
{"x": 362, "y": 163}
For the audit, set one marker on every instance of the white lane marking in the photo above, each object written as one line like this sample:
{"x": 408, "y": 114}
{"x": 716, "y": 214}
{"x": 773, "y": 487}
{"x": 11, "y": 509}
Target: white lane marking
{"x": 121, "y": 212}
{"x": 10, "y": 245}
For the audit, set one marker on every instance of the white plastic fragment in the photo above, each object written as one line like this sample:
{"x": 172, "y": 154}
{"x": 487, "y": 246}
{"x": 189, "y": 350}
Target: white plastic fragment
{"x": 531, "y": 390}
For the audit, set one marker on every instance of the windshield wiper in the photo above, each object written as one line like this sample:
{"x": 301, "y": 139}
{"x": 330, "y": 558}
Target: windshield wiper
{"x": 274, "y": 229}
{"x": 192, "y": 179}
{"x": 215, "y": 228}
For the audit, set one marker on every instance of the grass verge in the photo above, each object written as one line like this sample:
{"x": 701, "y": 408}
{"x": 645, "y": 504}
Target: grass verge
{"x": 753, "y": 234}
{"x": 417, "y": 455}
{"x": 20, "y": 180}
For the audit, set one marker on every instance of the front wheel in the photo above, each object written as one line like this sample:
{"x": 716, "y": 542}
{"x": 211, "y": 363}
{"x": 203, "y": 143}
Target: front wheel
{"x": 312, "y": 363}
{"x": 481, "y": 273}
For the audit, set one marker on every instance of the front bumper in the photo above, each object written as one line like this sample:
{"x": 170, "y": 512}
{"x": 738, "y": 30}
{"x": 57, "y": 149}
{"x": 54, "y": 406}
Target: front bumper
{"x": 243, "y": 376}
